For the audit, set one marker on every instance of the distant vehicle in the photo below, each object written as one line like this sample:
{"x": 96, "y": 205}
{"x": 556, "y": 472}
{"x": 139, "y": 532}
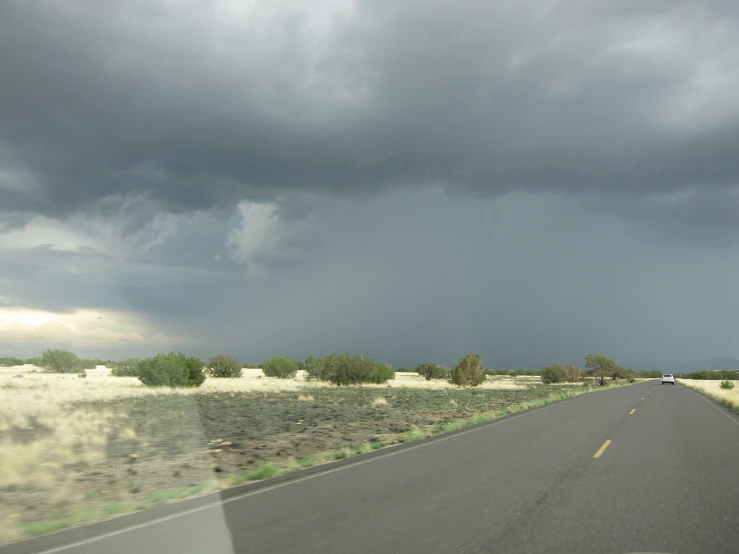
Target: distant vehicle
{"x": 668, "y": 378}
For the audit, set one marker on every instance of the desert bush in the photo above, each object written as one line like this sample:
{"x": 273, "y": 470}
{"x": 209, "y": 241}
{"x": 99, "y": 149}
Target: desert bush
{"x": 170, "y": 370}
{"x": 221, "y": 366}
{"x": 314, "y": 369}
{"x": 125, "y": 368}
{"x": 722, "y": 374}
{"x": 10, "y": 361}
{"x": 383, "y": 372}
{"x": 34, "y": 361}
{"x": 468, "y": 371}
{"x": 573, "y": 373}
{"x": 726, "y": 384}
{"x": 554, "y": 373}
{"x": 348, "y": 369}
{"x": 432, "y": 371}
{"x": 60, "y": 361}
{"x": 280, "y": 366}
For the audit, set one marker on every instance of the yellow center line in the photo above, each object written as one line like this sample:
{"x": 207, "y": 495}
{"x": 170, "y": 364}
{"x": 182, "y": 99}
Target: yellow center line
{"x": 602, "y": 449}
{"x": 632, "y": 411}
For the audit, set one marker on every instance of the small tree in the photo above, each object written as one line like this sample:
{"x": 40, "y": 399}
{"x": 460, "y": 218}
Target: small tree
{"x": 280, "y": 366}
{"x": 171, "y": 370}
{"x": 601, "y": 365}
{"x": 221, "y": 366}
{"x": 468, "y": 371}
{"x": 432, "y": 371}
{"x": 617, "y": 373}
{"x": 125, "y": 368}
{"x": 60, "y": 361}
{"x": 554, "y": 373}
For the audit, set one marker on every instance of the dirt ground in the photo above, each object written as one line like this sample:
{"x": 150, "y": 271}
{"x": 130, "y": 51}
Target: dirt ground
{"x": 80, "y": 449}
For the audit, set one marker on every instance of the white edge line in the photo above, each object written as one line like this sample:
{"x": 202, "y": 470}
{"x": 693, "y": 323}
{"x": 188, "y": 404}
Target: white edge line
{"x": 283, "y": 484}
{"x": 713, "y": 405}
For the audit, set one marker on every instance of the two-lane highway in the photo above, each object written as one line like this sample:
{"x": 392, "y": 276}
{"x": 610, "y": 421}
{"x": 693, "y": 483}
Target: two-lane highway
{"x": 645, "y": 468}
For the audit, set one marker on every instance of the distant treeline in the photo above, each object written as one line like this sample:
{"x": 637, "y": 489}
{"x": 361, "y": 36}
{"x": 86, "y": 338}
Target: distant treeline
{"x": 714, "y": 375}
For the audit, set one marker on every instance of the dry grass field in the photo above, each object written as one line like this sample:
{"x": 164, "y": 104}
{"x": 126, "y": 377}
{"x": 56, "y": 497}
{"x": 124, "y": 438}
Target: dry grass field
{"x": 79, "y": 449}
{"x": 728, "y": 397}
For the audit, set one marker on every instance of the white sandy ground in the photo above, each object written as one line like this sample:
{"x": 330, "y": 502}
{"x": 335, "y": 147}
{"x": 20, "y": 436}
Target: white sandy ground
{"x": 713, "y": 388}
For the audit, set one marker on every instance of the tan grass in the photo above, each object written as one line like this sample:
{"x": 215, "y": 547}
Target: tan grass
{"x": 379, "y": 401}
{"x": 713, "y": 389}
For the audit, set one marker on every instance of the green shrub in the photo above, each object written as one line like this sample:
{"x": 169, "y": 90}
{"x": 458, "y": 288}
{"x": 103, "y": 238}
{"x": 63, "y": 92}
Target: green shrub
{"x": 125, "y": 368}
{"x": 82, "y": 374}
{"x": 10, "y": 361}
{"x": 221, "y": 366}
{"x": 554, "y": 373}
{"x": 314, "y": 369}
{"x": 726, "y": 384}
{"x": 280, "y": 366}
{"x": 347, "y": 369}
{"x": 468, "y": 371}
{"x": 433, "y": 371}
{"x": 383, "y": 372}
{"x": 60, "y": 361}
{"x": 171, "y": 370}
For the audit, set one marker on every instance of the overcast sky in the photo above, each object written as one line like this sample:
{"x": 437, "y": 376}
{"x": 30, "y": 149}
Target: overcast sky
{"x": 532, "y": 180}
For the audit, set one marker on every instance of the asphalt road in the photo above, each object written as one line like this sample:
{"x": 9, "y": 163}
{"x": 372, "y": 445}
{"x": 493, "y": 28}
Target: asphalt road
{"x": 667, "y": 482}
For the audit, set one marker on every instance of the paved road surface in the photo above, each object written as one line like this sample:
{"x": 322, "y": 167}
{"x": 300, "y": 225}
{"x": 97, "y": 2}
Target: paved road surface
{"x": 667, "y": 482}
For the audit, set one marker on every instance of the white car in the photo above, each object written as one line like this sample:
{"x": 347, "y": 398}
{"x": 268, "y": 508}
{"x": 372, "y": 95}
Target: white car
{"x": 668, "y": 378}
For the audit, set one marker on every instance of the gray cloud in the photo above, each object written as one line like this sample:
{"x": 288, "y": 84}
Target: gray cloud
{"x": 190, "y": 107}
{"x": 428, "y": 178}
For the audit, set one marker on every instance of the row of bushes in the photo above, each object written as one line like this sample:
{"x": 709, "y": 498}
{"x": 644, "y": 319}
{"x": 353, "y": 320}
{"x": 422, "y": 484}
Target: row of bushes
{"x": 175, "y": 369}
{"x": 467, "y": 372}
{"x": 722, "y": 374}
{"x": 513, "y": 372}
{"x": 58, "y": 361}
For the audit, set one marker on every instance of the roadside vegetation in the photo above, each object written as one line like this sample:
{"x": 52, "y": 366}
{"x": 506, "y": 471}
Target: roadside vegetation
{"x": 722, "y": 391}
{"x": 719, "y": 374}
{"x": 139, "y": 432}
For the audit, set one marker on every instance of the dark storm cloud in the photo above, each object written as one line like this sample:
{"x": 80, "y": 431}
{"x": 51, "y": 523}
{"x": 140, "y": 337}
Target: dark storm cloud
{"x": 186, "y": 110}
